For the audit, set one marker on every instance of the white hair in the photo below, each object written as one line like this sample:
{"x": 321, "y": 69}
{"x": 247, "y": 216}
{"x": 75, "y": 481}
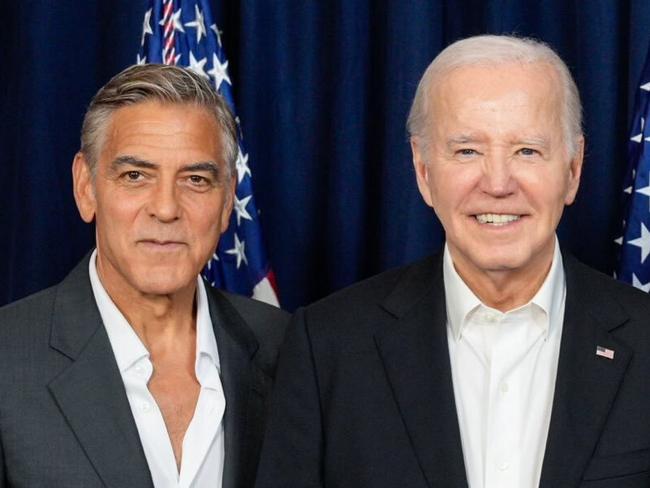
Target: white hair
{"x": 490, "y": 50}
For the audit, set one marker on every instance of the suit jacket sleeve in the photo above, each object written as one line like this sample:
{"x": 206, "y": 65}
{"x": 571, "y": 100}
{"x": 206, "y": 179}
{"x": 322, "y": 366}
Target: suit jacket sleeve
{"x": 292, "y": 449}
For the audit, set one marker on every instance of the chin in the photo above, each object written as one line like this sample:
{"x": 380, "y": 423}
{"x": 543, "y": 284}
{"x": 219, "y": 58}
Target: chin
{"x": 164, "y": 284}
{"x": 498, "y": 261}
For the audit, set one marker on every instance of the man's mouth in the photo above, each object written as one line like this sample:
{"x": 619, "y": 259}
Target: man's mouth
{"x": 161, "y": 244}
{"x": 496, "y": 219}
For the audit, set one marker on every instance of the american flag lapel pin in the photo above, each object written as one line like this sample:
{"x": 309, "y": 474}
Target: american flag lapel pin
{"x": 604, "y": 352}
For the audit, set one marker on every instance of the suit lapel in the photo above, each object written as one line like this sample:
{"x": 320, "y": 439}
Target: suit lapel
{"x": 237, "y": 345}
{"x": 90, "y": 392}
{"x": 586, "y": 384}
{"x": 413, "y": 348}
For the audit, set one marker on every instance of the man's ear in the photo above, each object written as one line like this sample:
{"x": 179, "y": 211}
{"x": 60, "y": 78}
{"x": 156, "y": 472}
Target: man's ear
{"x": 575, "y": 171}
{"x": 84, "y": 191}
{"x": 231, "y": 187}
{"x": 421, "y": 169}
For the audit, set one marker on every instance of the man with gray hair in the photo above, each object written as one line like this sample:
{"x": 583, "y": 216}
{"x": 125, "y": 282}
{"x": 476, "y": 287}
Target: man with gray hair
{"x": 133, "y": 372}
{"x": 502, "y": 362}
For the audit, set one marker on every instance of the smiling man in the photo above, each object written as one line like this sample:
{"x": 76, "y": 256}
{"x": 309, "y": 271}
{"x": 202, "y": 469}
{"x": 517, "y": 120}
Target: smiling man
{"x": 502, "y": 362}
{"x": 133, "y": 372}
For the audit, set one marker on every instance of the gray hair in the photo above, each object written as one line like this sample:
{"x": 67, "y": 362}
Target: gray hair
{"x": 492, "y": 50}
{"x": 162, "y": 83}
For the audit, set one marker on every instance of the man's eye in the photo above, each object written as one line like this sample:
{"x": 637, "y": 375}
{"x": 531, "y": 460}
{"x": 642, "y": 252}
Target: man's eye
{"x": 198, "y": 180}
{"x": 133, "y": 175}
{"x": 526, "y": 151}
{"x": 467, "y": 152}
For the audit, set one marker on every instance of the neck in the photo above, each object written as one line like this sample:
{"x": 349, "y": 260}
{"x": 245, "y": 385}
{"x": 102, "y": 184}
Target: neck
{"x": 158, "y": 320}
{"x": 507, "y": 289}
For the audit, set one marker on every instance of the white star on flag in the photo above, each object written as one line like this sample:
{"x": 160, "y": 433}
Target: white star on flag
{"x": 214, "y": 257}
{"x": 238, "y": 251}
{"x": 645, "y": 191}
{"x": 240, "y": 208}
{"x": 146, "y": 26}
{"x": 639, "y": 137}
{"x": 219, "y": 72}
{"x": 645, "y": 86}
{"x": 641, "y": 286}
{"x": 217, "y": 32}
{"x": 198, "y": 23}
{"x": 198, "y": 66}
{"x": 139, "y": 60}
{"x": 176, "y": 20}
{"x": 242, "y": 166}
{"x": 642, "y": 242}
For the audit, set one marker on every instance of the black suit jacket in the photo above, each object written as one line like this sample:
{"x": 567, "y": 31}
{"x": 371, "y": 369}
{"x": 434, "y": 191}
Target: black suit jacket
{"x": 65, "y": 420}
{"x": 364, "y": 395}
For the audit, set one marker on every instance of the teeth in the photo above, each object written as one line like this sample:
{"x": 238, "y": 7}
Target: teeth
{"x": 496, "y": 219}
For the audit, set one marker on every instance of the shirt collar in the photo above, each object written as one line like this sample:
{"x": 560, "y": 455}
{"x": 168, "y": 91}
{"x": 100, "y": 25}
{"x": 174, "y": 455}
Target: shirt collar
{"x": 206, "y": 342}
{"x": 551, "y": 295}
{"x": 127, "y": 346}
{"x": 461, "y": 301}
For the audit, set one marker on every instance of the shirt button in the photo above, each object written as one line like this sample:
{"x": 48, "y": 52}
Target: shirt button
{"x": 139, "y": 370}
{"x": 504, "y": 387}
{"x": 145, "y": 407}
{"x": 504, "y": 466}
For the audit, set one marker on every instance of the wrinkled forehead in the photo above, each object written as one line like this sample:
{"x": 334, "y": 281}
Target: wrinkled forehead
{"x": 173, "y": 114}
{"x": 501, "y": 102}
{"x": 482, "y": 82}
{"x": 162, "y": 124}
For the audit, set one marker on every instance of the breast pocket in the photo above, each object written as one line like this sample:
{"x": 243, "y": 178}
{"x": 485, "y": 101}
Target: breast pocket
{"x": 626, "y": 470}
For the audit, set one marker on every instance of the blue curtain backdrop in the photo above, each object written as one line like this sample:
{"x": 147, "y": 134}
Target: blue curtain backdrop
{"x": 323, "y": 89}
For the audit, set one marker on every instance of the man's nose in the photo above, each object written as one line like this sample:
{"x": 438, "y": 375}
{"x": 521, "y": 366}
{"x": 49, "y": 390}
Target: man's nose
{"x": 497, "y": 177}
{"x": 163, "y": 204}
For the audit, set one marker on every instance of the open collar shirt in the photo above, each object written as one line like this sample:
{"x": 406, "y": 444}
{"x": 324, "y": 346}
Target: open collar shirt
{"x": 203, "y": 445}
{"x": 504, "y": 367}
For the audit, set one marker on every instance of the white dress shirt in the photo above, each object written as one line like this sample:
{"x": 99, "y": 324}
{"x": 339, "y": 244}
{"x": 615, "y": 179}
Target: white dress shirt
{"x": 503, "y": 369}
{"x": 203, "y": 444}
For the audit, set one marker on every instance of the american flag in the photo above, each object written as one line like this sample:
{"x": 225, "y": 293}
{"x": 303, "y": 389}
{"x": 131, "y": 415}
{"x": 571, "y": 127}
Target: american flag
{"x": 634, "y": 266}
{"x": 184, "y": 33}
{"x": 604, "y": 352}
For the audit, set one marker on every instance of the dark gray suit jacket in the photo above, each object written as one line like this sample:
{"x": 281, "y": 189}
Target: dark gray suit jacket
{"x": 65, "y": 420}
{"x": 364, "y": 395}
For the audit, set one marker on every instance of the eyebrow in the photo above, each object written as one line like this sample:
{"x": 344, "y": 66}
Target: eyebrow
{"x": 465, "y": 139}
{"x": 462, "y": 139}
{"x": 532, "y": 141}
{"x": 209, "y": 166}
{"x": 132, "y": 161}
